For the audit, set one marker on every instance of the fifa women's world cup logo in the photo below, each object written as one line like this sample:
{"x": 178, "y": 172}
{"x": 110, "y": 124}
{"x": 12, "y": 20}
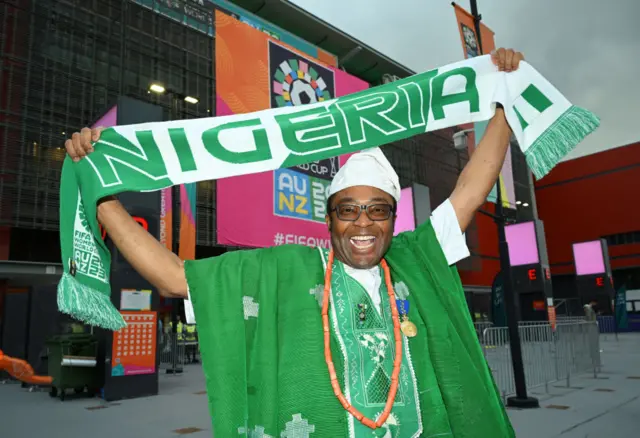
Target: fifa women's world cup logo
{"x": 300, "y": 192}
{"x": 297, "y": 80}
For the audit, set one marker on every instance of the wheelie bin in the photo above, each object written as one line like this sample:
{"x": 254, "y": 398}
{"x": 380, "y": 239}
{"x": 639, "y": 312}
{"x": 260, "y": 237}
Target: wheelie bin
{"x": 72, "y": 361}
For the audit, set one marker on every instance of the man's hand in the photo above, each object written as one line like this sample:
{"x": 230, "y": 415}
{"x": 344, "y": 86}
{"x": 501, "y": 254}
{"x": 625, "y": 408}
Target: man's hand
{"x": 150, "y": 258}
{"x": 79, "y": 145}
{"x": 507, "y": 60}
{"x": 482, "y": 170}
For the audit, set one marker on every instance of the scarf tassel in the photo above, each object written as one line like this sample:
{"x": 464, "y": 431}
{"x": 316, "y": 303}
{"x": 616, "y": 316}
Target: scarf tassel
{"x": 560, "y": 139}
{"x": 87, "y": 304}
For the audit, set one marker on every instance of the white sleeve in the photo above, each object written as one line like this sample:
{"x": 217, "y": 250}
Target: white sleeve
{"x": 188, "y": 309}
{"x": 447, "y": 228}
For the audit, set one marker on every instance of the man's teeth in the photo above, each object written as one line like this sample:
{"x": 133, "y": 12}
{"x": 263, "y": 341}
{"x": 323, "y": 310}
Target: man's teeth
{"x": 363, "y": 241}
{"x": 363, "y": 238}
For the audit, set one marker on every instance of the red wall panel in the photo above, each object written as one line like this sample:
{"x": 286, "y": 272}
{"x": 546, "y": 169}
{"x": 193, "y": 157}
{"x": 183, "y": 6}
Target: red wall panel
{"x": 487, "y": 249}
{"x": 589, "y": 198}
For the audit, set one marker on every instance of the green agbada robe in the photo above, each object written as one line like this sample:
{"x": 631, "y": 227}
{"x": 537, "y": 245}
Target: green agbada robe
{"x": 260, "y": 329}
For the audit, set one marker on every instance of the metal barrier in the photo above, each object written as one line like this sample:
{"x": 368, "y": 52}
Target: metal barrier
{"x": 569, "y": 319}
{"x": 607, "y": 324}
{"x": 548, "y": 355}
{"x": 559, "y": 320}
{"x": 172, "y": 353}
{"x": 481, "y": 326}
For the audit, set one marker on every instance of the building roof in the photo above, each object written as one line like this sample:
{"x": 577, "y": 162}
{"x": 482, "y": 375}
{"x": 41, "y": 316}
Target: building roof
{"x": 353, "y": 55}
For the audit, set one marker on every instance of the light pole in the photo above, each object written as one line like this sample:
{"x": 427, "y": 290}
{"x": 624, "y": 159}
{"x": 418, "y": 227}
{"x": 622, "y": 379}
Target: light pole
{"x": 521, "y": 399}
{"x": 176, "y": 97}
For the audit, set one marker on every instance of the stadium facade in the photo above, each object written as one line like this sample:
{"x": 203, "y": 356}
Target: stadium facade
{"x": 63, "y": 63}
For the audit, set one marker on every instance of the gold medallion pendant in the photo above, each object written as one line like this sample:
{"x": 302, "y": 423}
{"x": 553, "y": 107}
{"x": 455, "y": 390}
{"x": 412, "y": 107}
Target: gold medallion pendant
{"x": 408, "y": 328}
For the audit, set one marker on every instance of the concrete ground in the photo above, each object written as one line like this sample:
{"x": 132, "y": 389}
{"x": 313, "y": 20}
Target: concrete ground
{"x": 181, "y": 404}
{"x": 606, "y": 407}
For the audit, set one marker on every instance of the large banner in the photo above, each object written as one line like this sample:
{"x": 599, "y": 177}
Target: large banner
{"x": 255, "y": 71}
{"x": 471, "y": 49}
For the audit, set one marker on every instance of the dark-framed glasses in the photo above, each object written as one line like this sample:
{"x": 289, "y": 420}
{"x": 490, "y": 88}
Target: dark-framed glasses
{"x": 375, "y": 212}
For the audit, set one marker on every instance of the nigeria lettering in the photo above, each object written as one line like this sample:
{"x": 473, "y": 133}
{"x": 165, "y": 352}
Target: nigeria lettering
{"x": 374, "y": 117}
{"x": 261, "y": 152}
{"x": 309, "y": 130}
{"x": 397, "y": 110}
{"x": 319, "y": 131}
{"x": 371, "y": 110}
{"x": 125, "y": 161}
{"x": 470, "y": 93}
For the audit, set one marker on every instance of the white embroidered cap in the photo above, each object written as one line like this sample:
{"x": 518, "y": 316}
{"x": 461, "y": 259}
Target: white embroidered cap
{"x": 367, "y": 168}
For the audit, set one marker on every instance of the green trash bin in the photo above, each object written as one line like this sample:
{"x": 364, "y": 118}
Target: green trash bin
{"x": 72, "y": 361}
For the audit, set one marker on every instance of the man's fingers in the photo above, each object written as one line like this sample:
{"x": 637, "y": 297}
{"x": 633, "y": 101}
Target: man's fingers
{"x": 501, "y": 58}
{"x": 85, "y": 133}
{"x": 68, "y": 145}
{"x": 518, "y": 57}
{"x": 76, "y": 139}
{"x": 81, "y": 143}
{"x": 95, "y": 133}
{"x": 494, "y": 57}
{"x": 508, "y": 62}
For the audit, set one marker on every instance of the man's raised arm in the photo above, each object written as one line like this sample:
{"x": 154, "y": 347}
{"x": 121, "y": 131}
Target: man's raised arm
{"x": 159, "y": 266}
{"x": 482, "y": 170}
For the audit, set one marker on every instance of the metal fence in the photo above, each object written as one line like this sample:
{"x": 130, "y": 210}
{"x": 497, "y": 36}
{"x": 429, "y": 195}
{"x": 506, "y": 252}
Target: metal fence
{"x": 607, "y": 324}
{"x": 548, "y": 355}
{"x": 175, "y": 352}
{"x": 172, "y": 353}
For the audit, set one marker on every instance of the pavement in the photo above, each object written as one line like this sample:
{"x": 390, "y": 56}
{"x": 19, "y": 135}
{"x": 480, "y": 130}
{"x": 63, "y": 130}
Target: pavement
{"x": 604, "y": 407}
{"x": 180, "y": 409}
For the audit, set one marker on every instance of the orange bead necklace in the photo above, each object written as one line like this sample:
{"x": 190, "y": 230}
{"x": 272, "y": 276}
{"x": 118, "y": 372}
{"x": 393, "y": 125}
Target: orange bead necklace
{"x": 329, "y": 359}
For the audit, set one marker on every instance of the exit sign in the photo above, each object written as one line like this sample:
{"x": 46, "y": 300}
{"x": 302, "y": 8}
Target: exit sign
{"x": 600, "y": 281}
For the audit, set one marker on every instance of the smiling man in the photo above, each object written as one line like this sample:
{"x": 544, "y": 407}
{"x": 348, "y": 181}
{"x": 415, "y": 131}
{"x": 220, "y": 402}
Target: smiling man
{"x": 371, "y": 338}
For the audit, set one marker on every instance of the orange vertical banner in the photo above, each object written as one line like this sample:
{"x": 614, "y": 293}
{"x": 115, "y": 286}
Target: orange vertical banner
{"x": 470, "y": 47}
{"x": 468, "y": 35}
{"x": 187, "y": 250}
{"x": 166, "y": 218}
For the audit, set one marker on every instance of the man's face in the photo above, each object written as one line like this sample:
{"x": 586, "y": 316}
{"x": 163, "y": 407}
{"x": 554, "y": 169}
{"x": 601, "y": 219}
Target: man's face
{"x": 361, "y": 243}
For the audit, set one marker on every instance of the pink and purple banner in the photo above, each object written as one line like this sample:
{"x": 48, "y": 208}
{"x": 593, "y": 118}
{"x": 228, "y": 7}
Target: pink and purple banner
{"x": 255, "y": 72}
{"x": 406, "y": 216}
{"x": 523, "y": 244}
{"x": 589, "y": 258}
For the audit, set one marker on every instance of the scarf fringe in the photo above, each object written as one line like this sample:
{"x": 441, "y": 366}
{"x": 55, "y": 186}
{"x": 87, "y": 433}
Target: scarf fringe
{"x": 87, "y": 304}
{"x": 560, "y": 139}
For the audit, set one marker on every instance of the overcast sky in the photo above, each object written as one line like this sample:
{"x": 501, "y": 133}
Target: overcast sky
{"x": 589, "y": 49}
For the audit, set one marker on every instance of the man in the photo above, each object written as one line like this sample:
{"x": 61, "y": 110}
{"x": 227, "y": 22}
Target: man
{"x": 589, "y": 311}
{"x": 179, "y": 328}
{"x": 372, "y": 338}
{"x": 191, "y": 342}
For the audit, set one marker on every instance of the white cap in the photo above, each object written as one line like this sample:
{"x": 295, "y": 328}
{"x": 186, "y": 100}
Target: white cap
{"x": 367, "y": 168}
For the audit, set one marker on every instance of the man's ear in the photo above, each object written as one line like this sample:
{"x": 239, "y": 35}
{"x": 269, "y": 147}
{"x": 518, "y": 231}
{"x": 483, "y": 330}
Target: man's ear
{"x": 327, "y": 220}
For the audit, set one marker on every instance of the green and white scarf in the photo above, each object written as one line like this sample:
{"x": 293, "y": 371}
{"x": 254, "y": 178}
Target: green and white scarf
{"x": 152, "y": 156}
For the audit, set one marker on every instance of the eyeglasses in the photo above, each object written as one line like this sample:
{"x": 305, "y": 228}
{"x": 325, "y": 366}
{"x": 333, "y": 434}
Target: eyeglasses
{"x": 375, "y": 212}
